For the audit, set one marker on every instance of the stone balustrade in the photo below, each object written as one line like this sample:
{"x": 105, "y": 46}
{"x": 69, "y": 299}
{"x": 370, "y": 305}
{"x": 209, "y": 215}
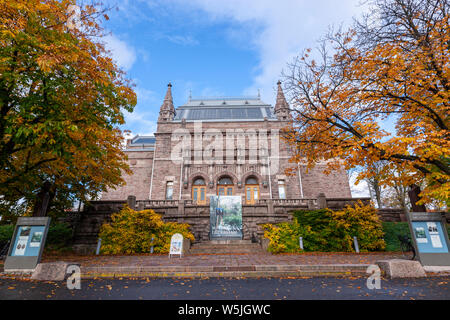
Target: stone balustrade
{"x": 88, "y": 223}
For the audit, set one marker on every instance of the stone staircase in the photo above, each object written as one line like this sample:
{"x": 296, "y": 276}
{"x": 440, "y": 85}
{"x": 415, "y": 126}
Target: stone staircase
{"x": 226, "y": 247}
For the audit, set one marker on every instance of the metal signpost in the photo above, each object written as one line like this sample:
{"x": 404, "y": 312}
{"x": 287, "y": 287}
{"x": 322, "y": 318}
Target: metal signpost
{"x": 27, "y": 244}
{"x": 430, "y": 238}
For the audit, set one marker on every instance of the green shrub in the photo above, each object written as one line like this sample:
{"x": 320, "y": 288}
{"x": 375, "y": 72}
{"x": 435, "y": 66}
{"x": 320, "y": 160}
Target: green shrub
{"x": 59, "y": 236}
{"x": 392, "y": 230}
{"x": 6, "y": 233}
{"x": 328, "y": 231}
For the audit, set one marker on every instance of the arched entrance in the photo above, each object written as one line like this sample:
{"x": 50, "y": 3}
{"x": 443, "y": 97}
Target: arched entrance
{"x": 199, "y": 191}
{"x": 225, "y": 186}
{"x": 251, "y": 190}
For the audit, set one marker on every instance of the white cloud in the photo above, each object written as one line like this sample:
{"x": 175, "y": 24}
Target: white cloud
{"x": 278, "y": 30}
{"x": 138, "y": 121}
{"x": 121, "y": 52}
{"x": 359, "y": 190}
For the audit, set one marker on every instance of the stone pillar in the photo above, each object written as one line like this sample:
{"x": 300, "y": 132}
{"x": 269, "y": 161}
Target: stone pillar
{"x": 181, "y": 207}
{"x": 131, "y": 202}
{"x": 321, "y": 201}
{"x": 270, "y": 209}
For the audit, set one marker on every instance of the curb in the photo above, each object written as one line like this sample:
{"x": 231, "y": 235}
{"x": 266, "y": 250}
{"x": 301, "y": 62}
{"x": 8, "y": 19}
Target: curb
{"x": 222, "y": 271}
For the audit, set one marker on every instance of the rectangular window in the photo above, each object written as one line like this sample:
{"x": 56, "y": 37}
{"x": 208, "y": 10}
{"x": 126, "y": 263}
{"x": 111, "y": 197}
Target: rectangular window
{"x": 169, "y": 190}
{"x": 202, "y": 194}
{"x": 195, "y": 194}
{"x": 281, "y": 189}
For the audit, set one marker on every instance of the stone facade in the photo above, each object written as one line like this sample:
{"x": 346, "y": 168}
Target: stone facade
{"x": 255, "y": 150}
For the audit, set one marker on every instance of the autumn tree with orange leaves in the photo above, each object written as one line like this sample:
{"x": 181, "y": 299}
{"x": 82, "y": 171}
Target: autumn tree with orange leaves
{"x": 393, "y": 65}
{"x": 62, "y": 99}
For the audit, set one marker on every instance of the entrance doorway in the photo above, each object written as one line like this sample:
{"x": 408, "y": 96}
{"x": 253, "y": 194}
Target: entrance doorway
{"x": 251, "y": 190}
{"x": 199, "y": 191}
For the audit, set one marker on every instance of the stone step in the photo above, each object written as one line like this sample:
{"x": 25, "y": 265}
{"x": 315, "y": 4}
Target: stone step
{"x": 226, "y": 246}
{"x": 224, "y": 242}
{"x": 226, "y": 250}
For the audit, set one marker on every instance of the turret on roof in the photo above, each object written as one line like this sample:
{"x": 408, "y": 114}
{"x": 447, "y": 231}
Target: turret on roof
{"x": 167, "y": 110}
{"x": 281, "y": 106}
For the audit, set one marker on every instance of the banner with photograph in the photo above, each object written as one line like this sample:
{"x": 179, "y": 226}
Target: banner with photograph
{"x": 226, "y": 217}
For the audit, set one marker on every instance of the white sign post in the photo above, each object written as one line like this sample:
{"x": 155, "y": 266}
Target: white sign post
{"x": 176, "y": 245}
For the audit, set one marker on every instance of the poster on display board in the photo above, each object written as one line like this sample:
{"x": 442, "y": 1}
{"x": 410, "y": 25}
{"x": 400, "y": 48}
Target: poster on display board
{"x": 430, "y": 238}
{"x": 27, "y": 243}
{"x": 226, "y": 217}
{"x": 176, "y": 245}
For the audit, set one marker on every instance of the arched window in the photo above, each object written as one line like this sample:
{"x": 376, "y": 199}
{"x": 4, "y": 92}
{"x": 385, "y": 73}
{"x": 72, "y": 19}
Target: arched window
{"x": 225, "y": 181}
{"x": 225, "y": 186}
{"x": 251, "y": 190}
{"x": 199, "y": 191}
{"x": 199, "y": 182}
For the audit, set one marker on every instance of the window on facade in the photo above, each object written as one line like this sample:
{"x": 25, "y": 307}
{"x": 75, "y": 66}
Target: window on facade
{"x": 225, "y": 186}
{"x": 199, "y": 191}
{"x": 281, "y": 189}
{"x": 251, "y": 190}
{"x": 169, "y": 190}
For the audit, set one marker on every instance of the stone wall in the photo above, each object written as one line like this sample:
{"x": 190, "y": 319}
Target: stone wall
{"x": 87, "y": 223}
{"x": 137, "y": 183}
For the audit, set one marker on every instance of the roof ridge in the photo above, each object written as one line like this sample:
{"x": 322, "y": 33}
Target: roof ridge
{"x": 226, "y": 98}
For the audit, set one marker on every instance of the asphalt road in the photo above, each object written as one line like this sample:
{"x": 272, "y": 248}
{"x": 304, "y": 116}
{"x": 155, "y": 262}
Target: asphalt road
{"x": 437, "y": 288}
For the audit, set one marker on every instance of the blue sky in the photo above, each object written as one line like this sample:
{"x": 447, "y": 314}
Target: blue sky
{"x": 213, "y": 47}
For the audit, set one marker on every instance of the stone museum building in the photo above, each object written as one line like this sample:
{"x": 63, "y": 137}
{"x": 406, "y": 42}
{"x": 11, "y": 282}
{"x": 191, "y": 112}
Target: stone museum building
{"x": 235, "y": 148}
{"x": 221, "y": 146}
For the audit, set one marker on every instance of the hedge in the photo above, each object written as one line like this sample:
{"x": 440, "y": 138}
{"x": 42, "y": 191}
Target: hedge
{"x": 328, "y": 231}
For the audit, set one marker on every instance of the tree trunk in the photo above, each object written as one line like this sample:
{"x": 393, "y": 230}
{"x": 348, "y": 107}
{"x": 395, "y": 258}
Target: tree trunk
{"x": 43, "y": 200}
{"x": 413, "y": 194}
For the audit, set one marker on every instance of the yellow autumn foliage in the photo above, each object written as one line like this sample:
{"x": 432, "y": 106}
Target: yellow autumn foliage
{"x": 131, "y": 231}
{"x": 328, "y": 231}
